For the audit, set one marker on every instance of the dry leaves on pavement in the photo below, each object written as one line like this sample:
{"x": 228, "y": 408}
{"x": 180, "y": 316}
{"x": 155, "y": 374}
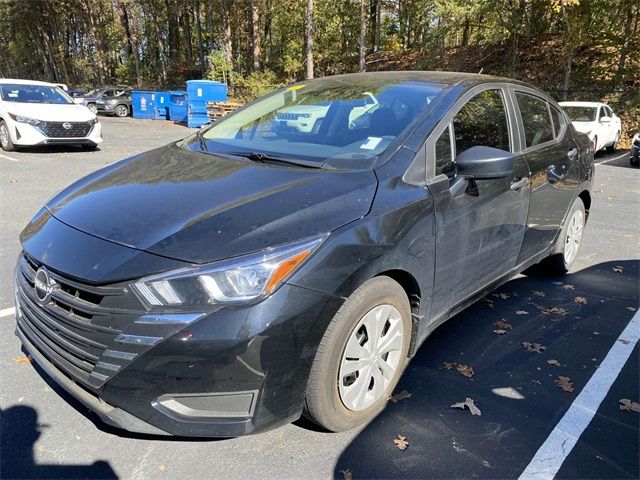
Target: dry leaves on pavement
{"x": 580, "y": 300}
{"x": 533, "y": 347}
{"x": 401, "y": 442}
{"x": 553, "y": 361}
{"x": 499, "y": 332}
{"x": 564, "y": 383}
{"x": 465, "y": 370}
{"x": 567, "y": 287}
{"x": 553, "y": 310}
{"x": 346, "y": 474}
{"x": 448, "y": 365}
{"x": 632, "y": 309}
{"x": 629, "y": 406}
{"x": 538, "y": 293}
{"x": 23, "y": 360}
{"x": 400, "y": 396}
{"x": 618, "y": 269}
{"x": 623, "y": 341}
{"x": 522, "y": 312}
{"x": 469, "y": 403}
{"x": 502, "y": 325}
{"x": 503, "y": 296}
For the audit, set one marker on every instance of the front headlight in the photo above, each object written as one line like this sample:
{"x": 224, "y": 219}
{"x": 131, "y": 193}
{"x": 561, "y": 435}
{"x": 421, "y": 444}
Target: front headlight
{"x": 93, "y": 121}
{"x": 30, "y": 121}
{"x": 239, "y": 280}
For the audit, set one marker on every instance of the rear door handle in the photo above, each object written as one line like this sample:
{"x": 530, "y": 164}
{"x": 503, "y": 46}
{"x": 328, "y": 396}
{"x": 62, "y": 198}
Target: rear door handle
{"x": 518, "y": 185}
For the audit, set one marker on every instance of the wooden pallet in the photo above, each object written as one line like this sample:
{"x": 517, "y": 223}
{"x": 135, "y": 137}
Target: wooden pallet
{"x": 217, "y": 110}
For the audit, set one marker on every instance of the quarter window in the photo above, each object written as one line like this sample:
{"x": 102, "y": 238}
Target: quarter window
{"x": 535, "y": 118}
{"x": 603, "y": 113}
{"x": 444, "y": 155}
{"x": 558, "y": 121}
{"x": 482, "y": 122}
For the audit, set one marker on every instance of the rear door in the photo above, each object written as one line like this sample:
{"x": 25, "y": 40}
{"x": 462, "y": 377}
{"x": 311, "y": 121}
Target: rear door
{"x": 552, "y": 155}
{"x": 479, "y": 233}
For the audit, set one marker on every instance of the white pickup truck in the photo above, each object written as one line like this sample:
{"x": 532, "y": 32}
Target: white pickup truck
{"x": 597, "y": 120}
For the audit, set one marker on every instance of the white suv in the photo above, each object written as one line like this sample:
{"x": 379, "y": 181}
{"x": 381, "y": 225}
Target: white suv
{"x": 597, "y": 120}
{"x": 39, "y": 113}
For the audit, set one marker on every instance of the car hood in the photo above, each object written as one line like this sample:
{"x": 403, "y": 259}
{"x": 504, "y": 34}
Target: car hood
{"x": 50, "y": 112}
{"x": 200, "y": 208}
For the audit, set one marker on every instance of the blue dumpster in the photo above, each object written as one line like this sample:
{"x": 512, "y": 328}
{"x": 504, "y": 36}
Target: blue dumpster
{"x": 161, "y": 102}
{"x": 142, "y": 103}
{"x": 199, "y": 92}
{"x": 178, "y": 106}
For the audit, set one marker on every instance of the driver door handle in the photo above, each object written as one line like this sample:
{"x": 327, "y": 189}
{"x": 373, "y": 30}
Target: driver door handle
{"x": 518, "y": 185}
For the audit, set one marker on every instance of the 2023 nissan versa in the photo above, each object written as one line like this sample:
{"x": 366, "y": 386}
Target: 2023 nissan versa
{"x": 227, "y": 283}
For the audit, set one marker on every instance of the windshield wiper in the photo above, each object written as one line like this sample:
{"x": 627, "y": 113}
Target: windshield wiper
{"x": 264, "y": 158}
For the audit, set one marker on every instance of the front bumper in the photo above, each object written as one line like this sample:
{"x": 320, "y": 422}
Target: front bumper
{"x": 24, "y": 134}
{"x": 231, "y": 372}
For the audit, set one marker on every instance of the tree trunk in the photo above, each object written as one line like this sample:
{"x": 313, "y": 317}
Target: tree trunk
{"x": 255, "y": 34}
{"x": 569, "y": 53}
{"x": 626, "y": 39}
{"x": 226, "y": 25}
{"x": 309, "y": 39}
{"x": 173, "y": 33}
{"x": 373, "y": 26}
{"x": 363, "y": 33}
{"x": 200, "y": 41}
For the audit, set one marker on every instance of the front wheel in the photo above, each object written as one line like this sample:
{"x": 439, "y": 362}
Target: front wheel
{"x": 5, "y": 137}
{"x": 569, "y": 242}
{"x": 122, "y": 111}
{"x": 361, "y": 356}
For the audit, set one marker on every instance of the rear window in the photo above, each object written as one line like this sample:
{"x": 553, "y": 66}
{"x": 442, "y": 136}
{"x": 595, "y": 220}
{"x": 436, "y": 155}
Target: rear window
{"x": 537, "y": 124}
{"x": 581, "y": 114}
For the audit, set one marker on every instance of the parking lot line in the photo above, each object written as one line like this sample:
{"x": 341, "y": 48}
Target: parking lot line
{"x": 9, "y": 158}
{"x": 617, "y": 157}
{"x": 7, "y": 312}
{"x": 558, "y": 445}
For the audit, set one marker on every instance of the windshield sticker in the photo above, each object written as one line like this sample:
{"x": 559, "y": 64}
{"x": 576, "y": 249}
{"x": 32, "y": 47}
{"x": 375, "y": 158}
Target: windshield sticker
{"x": 296, "y": 87}
{"x": 371, "y": 143}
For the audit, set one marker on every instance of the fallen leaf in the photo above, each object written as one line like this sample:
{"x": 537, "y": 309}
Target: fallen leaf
{"x": 564, "y": 383}
{"x": 465, "y": 370}
{"x": 618, "y": 269}
{"x": 502, "y": 325}
{"x": 346, "y": 474}
{"x": 536, "y": 382}
{"x": 499, "y": 332}
{"x": 629, "y": 406}
{"x": 553, "y": 361}
{"x": 162, "y": 468}
{"x": 538, "y": 293}
{"x": 580, "y": 300}
{"x": 400, "y": 396}
{"x": 553, "y": 310}
{"x": 23, "y": 360}
{"x": 567, "y": 287}
{"x": 503, "y": 296}
{"x": 522, "y": 312}
{"x": 534, "y": 347}
{"x": 21, "y": 399}
{"x": 401, "y": 442}
{"x": 623, "y": 341}
{"x": 631, "y": 309}
{"x": 447, "y": 365}
{"x": 469, "y": 403}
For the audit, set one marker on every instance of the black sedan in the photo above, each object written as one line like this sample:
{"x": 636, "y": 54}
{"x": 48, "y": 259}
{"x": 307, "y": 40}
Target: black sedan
{"x": 634, "y": 158}
{"x": 232, "y": 281}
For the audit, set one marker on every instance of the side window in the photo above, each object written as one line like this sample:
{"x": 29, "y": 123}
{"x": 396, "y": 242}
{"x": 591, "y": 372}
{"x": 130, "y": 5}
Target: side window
{"x": 609, "y": 112}
{"x": 535, "y": 118}
{"x": 558, "y": 121}
{"x": 603, "y": 112}
{"x": 444, "y": 155}
{"x": 482, "y": 121}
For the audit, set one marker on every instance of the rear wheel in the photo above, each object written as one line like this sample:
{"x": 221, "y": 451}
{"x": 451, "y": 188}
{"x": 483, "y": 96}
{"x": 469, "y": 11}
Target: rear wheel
{"x": 614, "y": 146}
{"x": 5, "y": 138}
{"x": 122, "y": 111}
{"x": 568, "y": 244}
{"x": 361, "y": 356}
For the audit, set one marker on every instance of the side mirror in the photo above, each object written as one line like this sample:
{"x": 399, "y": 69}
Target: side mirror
{"x": 605, "y": 119}
{"x": 485, "y": 163}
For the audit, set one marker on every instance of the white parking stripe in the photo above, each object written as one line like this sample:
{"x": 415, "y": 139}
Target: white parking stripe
{"x": 607, "y": 160}
{"x": 7, "y": 312}
{"x": 554, "y": 451}
{"x": 9, "y": 158}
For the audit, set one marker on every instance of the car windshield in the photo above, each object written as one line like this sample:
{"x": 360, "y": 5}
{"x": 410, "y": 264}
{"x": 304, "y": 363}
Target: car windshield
{"x": 21, "y": 93}
{"x": 581, "y": 114}
{"x": 342, "y": 121}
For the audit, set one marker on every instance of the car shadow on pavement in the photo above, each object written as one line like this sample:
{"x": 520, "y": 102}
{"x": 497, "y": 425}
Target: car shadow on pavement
{"x": 19, "y": 432}
{"x": 575, "y": 318}
{"x": 50, "y": 149}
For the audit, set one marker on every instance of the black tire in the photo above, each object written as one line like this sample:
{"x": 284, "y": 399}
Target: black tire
{"x": 614, "y": 146}
{"x": 93, "y": 108}
{"x": 635, "y": 162}
{"x": 121, "y": 111}
{"x": 557, "y": 264}
{"x": 5, "y": 138}
{"x": 323, "y": 404}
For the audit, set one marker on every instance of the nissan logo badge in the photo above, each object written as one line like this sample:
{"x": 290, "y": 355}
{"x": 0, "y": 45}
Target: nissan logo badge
{"x": 43, "y": 285}
{"x": 66, "y": 126}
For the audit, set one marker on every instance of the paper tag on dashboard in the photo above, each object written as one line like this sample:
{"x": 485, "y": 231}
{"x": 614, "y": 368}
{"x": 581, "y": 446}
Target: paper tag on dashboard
{"x": 371, "y": 143}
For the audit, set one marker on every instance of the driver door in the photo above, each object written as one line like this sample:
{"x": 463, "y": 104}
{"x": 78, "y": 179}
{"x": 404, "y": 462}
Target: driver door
{"x": 479, "y": 232}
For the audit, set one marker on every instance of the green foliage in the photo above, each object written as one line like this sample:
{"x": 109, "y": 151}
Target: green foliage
{"x": 255, "y": 84}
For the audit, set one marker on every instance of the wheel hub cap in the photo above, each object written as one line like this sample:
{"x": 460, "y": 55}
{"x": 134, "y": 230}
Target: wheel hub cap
{"x": 4, "y": 136}
{"x": 574, "y": 236}
{"x": 371, "y": 357}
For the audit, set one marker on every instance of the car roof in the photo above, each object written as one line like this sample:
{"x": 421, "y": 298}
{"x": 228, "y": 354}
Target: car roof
{"x": 20, "y": 81}
{"x": 581, "y": 104}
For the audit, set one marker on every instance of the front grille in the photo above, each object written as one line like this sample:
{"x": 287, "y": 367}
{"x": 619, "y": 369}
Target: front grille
{"x": 74, "y": 328}
{"x": 288, "y": 116}
{"x": 58, "y": 130}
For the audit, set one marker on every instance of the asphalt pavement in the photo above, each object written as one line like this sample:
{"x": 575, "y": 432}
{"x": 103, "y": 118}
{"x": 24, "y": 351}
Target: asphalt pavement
{"x": 577, "y": 320}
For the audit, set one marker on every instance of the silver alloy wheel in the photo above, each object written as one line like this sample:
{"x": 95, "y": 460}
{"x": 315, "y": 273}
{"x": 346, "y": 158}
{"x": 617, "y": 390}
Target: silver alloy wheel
{"x": 371, "y": 357}
{"x": 121, "y": 111}
{"x": 574, "y": 236}
{"x": 4, "y": 136}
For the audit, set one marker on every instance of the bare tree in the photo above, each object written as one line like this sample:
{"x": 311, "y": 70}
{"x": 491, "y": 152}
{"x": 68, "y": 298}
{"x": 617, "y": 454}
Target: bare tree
{"x": 363, "y": 32}
{"x": 309, "y": 38}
